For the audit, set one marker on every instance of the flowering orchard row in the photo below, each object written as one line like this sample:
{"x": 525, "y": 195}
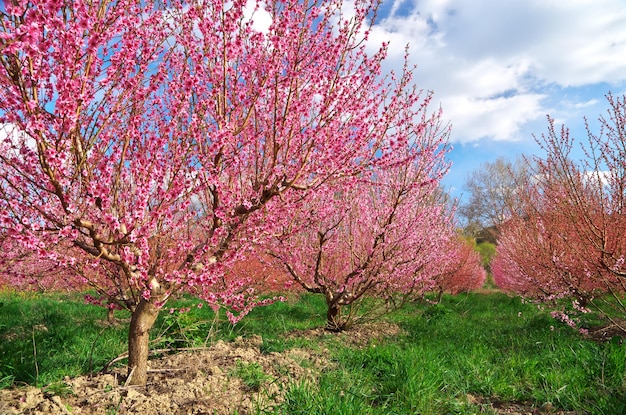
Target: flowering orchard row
{"x": 565, "y": 237}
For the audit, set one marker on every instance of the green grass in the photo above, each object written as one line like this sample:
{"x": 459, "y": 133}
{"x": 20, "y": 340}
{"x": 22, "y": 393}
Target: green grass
{"x": 272, "y": 322}
{"x": 459, "y": 357}
{"x": 251, "y": 374}
{"x": 44, "y": 338}
{"x": 468, "y": 352}
{"x": 494, "y": 346}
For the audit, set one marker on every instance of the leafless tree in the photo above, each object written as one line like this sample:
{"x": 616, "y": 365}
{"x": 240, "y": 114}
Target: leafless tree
{"x": 491, "y": 196}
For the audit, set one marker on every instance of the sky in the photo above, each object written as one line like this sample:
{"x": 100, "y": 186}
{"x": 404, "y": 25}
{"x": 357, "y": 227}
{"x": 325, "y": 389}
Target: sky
{"x": 499, "y": 67}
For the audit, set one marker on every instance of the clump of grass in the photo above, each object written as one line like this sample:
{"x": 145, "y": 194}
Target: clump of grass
{"x": 251, "y": 374}
{"x": 184, "y": 327}
{"x": 58, "y": 389}
{"x": 7, "y": 380}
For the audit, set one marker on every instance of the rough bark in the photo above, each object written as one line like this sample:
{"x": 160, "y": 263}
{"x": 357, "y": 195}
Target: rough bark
{"x": 333, "y": 318}
{"x": 141, "y": 322}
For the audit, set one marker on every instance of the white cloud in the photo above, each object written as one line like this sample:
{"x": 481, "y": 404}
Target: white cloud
{"x": 255, "y": 12}
{"x": 497, "y": 118}
{"x": 493, "y": 64}
{"x": 12, "y": 140}
{"x": 585, "y": 104}
{"x": 585, "y": 44}
{"x": 597, "y": 177}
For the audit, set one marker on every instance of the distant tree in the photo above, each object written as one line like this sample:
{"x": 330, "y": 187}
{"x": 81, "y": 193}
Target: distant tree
{"x": 460, "y": 270}
{"x": 568, "y": 239}
{"x": 368, "y": 242}
{"x": 382, "y": 240}
{"x": 22, "y": 270}
{"x": 492, "y": 194}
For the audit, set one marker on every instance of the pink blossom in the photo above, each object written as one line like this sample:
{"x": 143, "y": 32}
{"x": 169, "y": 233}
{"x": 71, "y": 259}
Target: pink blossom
{"x": 119, "y": 185}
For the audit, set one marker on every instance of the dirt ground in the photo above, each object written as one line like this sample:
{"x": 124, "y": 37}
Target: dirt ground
{"x": 206, "y": 382}
{"x": 196, "y": 382}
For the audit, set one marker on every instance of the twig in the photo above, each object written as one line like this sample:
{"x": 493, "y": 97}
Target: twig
{"x": 93, "y": 346}
{"x": 130, "y": 376}
{"x": 172, "y": 369}
{"x": 35, "y": 356}
{"x": 214, "y": 328}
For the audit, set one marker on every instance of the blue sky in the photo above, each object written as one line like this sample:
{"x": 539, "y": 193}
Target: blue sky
{"x": 499, "y": 67}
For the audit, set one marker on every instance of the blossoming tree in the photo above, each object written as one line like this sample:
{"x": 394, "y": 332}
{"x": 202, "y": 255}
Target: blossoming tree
{"x": 146, "y": 137}
{"x": 568, "y": 240}
{"x": 460, "y": 269}
{"x": 383, "y": 235}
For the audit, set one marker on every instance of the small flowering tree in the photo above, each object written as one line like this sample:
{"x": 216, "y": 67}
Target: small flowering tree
{"x": 460, "y": 269}
{"x": 144, "y": 138}
{"x": 383, "y": 235}
{"x": 568, "y": 240}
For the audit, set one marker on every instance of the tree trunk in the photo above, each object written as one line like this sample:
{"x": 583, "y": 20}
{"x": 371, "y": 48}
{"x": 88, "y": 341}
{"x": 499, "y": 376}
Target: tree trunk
{"x": 111, "y": 316}
{"x": 333, "y": 317}
{"x": 141, "y": 322}
{"x": 439, "y": 296}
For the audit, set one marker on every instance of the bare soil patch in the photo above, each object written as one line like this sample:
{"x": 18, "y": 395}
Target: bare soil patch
{"x": 196, "y": 382}
{"x": 607, "y": 332}
{"x": 515, "y": 408}
{"x": 358, "y": 336}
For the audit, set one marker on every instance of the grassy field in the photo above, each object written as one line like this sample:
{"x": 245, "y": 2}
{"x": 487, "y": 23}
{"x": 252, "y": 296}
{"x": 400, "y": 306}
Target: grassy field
{"x": 463, "y": 355}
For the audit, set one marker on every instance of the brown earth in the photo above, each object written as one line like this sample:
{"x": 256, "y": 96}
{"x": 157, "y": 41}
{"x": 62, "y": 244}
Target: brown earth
{"x": 207, "y": 382}
{"x": 195, "y": 382}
